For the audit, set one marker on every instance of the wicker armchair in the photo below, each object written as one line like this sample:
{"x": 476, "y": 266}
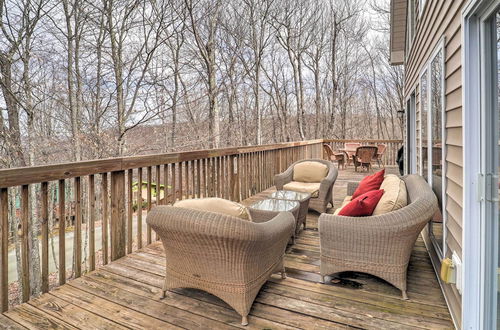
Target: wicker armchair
{"x": 324, "y": 196}
{"x": 340, "y": 157}
{"x": 380, "y": 153}
{"x": 226, "y": 256}
{"x": 364, "y": 156}
{"x": 378, "y": 245}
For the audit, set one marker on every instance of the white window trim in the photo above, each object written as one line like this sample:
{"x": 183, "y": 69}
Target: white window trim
{"x": 411, "y": 168}
{"x": 441, "y": 250}
{"x": 420, "y": 130}
{"x": 474, "y": 234}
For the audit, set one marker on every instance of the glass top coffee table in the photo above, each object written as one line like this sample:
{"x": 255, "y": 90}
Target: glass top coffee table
{"x": 267, "y": 209}
{"x": 301, "y": 197}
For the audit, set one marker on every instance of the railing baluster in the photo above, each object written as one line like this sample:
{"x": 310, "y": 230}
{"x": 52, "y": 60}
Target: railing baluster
{"x": 158, "y": 191}
{"x": 193, "y": 178}
{"x": 139, "y": 208}
{"x": 44, "y": 195}
{"x": 166, "y": 178}
{"x": 4, "y": 250}
{"x": 91, "y": 222}
{"x": 130, "y": 210}
{"x": 24, "y": 233}
{"x": 77, "y": 235}
{"x": 174, "y": 185}
{"x": 105, "y": 214}
{"x": 186, "y": 178}
{"x": 198, "y": 178}
{"x": 180, "y": 181}
{"x": 62, "y": 232}
{"x": 118, "y": 234}
{"x": 158, "y": 184}
{"x": 213, "y": 179}
{"x": 148, "y": 227}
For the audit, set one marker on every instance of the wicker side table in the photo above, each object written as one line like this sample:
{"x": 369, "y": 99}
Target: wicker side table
{"x": 267, "y": 209}
{"x": 301, "y": 197}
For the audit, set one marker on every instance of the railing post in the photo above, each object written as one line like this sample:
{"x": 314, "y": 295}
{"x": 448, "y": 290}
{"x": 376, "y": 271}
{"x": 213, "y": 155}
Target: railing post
{"x": 118, "y": 234}
{"x": 24, "y": 236}
{"x": 233, "y": 176}
{"x": 4, "y": 250}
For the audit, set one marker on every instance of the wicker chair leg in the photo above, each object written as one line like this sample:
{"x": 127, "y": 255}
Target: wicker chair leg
{"x": 283, "y": 273}
{"x": 164, "y": 289}
{"x": 404, "y": 294}
{"x": 244, "y": 320}
{"x": 322, "y": 281}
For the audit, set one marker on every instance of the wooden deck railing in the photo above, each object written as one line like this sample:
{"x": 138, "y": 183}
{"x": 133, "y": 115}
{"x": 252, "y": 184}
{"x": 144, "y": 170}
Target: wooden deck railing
{"x": 391, "y": 153}
{"x": 102, "y": 191}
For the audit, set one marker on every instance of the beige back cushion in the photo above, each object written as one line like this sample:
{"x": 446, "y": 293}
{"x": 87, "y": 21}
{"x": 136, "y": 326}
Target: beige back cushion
{"x": 309, "y": 172}
{"x": 394, "y": 197}
{"x": 217, "y": 205}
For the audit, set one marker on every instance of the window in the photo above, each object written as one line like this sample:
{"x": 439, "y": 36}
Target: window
{"x": 424, "y": 97}
{"x": 432, "y": 129}
{"x": 435, "y": 141}
{"x": 410, "y": 25}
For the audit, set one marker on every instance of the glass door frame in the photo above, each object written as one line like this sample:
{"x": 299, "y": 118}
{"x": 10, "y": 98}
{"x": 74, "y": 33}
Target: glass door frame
{"x": 480, "y": 211}
{"x": 411, "y": 135}
{"x": 427, "y": 70}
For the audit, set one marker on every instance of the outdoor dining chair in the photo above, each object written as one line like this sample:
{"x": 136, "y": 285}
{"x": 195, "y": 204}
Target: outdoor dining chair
{"x": 364, "y": 156}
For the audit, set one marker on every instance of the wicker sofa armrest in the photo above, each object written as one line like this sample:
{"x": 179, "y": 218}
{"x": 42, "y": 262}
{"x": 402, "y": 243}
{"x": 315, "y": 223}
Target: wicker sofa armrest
{"x": 351, "y": 187}
{"x": 327, "y": 183}
{"x": 276, "y": 233}
{"x": 283, "y": 178}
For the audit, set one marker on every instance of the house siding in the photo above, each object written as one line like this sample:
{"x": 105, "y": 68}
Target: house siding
{"x": 443, "y": 19}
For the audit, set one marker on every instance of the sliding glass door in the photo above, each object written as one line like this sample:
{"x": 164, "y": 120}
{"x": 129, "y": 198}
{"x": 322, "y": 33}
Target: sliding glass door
{"x": 481, "y": 229}
{"x": 432, "y": 130}
{"x": 491, "y": 145}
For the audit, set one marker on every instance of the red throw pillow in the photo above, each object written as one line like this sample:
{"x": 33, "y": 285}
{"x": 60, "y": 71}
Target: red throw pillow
{"x": 369, "y": 183}
{"x": 363, "y": 205}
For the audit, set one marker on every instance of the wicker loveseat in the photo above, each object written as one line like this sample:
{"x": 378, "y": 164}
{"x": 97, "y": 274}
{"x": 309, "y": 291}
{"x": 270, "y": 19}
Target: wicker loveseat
{"x": 321, "y": 191}
{"x": 379, "y": 245}
{"x": 226, "y": 256}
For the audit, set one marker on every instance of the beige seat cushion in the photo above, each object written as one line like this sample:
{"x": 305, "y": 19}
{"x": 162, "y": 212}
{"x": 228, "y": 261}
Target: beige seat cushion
{"x": 346, "y": 201}
{"x": 217, "y": 205}
{"x": 309, "y": 172}
{"x": 308, "y": 187}
{"x": 394, "y": 197}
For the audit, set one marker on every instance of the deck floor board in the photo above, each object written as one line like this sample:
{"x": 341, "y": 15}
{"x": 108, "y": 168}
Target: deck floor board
{"x": 125, "y": 294}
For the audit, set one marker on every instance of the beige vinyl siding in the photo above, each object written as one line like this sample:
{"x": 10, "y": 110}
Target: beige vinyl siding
{"x": 443, "y": 18}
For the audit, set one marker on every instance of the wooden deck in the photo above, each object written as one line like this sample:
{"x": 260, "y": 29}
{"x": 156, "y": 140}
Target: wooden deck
{"x": 125, "y": 294}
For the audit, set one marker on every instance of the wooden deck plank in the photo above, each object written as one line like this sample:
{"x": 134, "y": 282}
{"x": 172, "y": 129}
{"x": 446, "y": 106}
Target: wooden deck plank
{"x": 33, "y": 318}
{"x": 8, "y": 324}
{"x": 175, "y": 316}
{"x": 102, "y": 307}
{"x": 126, "y": 293}
{"x": 72, "y": 314}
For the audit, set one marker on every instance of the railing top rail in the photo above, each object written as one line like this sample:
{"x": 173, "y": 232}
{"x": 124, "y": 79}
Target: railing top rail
{"x": 362, "y": 140}
{"x": 27, "y": 175}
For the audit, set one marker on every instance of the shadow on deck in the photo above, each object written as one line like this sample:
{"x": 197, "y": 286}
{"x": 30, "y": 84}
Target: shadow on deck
{"x": 125, "y": 294}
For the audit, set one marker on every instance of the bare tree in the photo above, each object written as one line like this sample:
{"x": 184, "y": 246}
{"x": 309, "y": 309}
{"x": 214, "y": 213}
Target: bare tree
{"x": 204, "y": 22}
